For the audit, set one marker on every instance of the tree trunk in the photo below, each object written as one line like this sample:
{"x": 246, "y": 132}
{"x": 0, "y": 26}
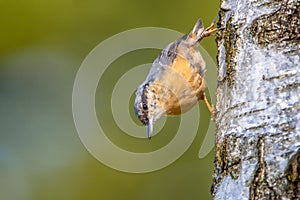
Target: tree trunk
{"x": 258, "y": 101}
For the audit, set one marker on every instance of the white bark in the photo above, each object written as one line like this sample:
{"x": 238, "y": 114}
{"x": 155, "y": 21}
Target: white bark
{"x": 258, "y": 101}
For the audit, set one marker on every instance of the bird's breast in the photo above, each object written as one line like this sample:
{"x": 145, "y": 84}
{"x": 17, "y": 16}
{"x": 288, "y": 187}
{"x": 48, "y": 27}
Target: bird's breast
{"x": 179, "y": 87}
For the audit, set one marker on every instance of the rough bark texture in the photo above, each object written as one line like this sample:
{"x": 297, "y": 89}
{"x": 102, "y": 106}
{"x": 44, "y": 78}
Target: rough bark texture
{"x": 258, "y": 101}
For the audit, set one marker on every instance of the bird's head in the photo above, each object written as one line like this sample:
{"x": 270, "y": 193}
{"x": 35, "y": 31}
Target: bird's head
{"x": 146, "y": 107}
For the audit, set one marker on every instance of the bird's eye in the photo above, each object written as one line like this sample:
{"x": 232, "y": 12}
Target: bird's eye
{"x": 145, "y": 107}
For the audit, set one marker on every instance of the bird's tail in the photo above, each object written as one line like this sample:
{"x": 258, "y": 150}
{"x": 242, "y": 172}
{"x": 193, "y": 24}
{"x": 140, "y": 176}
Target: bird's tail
{"x": 196, "y": 34}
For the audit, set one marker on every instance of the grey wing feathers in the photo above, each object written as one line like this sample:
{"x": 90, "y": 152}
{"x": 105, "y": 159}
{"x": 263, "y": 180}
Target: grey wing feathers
{"x": 186, "y": 46}
{"x": 163, "y": 61}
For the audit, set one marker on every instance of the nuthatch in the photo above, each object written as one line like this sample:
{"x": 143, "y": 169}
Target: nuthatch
{"x": 175, "y": 81}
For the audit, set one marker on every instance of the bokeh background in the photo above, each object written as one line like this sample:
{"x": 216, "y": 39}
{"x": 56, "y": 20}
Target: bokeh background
{"x": 42, "y": 45}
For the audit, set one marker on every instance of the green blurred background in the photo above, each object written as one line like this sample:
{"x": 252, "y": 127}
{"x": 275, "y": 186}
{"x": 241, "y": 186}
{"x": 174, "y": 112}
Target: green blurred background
{"x": 42, "y": 46}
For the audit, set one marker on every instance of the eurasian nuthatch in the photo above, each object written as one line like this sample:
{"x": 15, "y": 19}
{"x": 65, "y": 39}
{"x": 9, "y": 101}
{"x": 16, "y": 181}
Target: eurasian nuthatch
{"x": 175, "y": 82}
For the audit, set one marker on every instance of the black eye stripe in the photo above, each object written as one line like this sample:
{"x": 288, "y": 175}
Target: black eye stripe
{"x": 144, "y": 96}
{"x": 144, "y": 107}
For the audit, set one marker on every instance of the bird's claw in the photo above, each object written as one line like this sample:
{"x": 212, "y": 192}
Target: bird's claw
{"x": 209, "y": 30}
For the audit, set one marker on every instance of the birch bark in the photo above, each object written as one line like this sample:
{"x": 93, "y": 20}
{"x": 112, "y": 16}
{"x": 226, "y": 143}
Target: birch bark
{"x": 258, "y": 101}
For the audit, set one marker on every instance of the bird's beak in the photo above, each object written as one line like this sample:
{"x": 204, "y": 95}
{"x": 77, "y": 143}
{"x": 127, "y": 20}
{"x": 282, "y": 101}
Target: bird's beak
{"x": 149, "y": 128}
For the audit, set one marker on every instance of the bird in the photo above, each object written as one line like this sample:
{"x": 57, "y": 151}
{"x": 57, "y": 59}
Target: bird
{"x": 175, "y": 82}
